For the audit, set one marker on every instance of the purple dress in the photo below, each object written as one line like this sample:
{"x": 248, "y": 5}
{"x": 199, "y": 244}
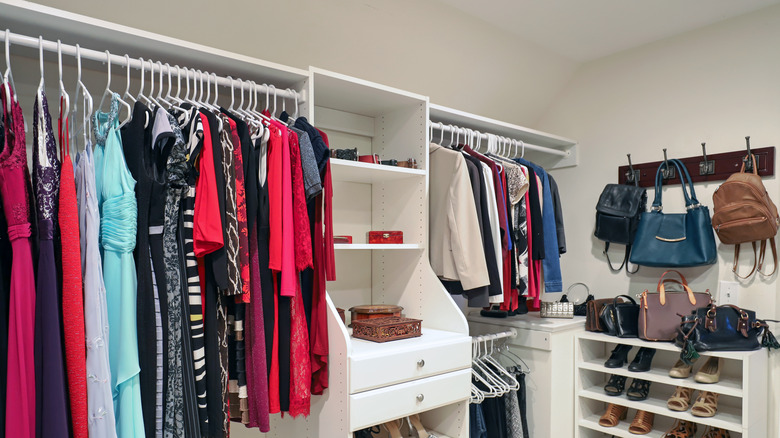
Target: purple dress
{"x": 51, "y": 396}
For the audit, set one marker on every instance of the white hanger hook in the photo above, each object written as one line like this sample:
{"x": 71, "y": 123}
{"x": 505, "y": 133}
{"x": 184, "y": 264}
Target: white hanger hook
{"x": 59, "y": 59}
{"x": 452, "y": 134}
{"x": 178, "y": 81}
{"x": 232, "y": 93}
{"x": 216, "y": 90}
{"x": 267, "y": 99}
{"x": 274, "y": 111}
{"x": 241, "y": 104}
{"x": 151, "y": 79}
{"x": 295, "y": 116}
{"x": 8, "y": 50}
{"x": 40, "y": 55}
{"x": 522, "y": 153}
{"x": 143, "y": 74}
{"x": 78, "y": 63}
{"x": 108, "y": 62}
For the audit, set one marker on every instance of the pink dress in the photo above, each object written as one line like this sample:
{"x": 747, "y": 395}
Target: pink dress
{"x": 14, "y": 183}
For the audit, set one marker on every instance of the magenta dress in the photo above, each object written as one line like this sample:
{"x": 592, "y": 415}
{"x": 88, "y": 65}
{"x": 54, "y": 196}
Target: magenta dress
{"x": 14, "y": 183}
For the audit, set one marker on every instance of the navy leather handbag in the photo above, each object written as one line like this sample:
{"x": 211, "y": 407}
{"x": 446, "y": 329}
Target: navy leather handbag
{"x": 676, "y": 240}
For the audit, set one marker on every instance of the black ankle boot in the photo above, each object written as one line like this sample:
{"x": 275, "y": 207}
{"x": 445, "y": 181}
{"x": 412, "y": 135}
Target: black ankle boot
{"x": 618, "y": 357}
{"x": 642, "y": 359}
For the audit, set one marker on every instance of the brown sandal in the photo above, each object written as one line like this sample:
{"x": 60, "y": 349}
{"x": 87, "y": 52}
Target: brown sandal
{"x": 642, "y": 424}
{"x": 706, "y": 404}
{"x": 613, "y": 415}
{"x": 681, "y": 399}
{"x": 715, "y": 432}
{"x": 681, "y": 429}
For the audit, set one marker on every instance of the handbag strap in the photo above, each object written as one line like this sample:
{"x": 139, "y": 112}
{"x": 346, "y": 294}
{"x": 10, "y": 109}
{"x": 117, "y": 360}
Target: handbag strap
{"x": 755, "y": 166}
{"x": 685, "y": 178}
{"x": 615, "y": 301}
{"x": 609, "y": 262}
{"x": 735, "y": 267}
{"x": 662, "y": 288}
{"x": 763, "y": 253}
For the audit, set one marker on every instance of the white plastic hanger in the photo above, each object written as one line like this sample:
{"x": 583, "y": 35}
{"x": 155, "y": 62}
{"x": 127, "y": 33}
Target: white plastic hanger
{"x": 127, "y": 94}
{"x": 141, "y": 96}
{"x": 86, "y": 99}
{"x": 514, "y": 385}
{"x": 110, "y": 93}
{"x": 64, "y": 98}
{"x": 8, "y": 77}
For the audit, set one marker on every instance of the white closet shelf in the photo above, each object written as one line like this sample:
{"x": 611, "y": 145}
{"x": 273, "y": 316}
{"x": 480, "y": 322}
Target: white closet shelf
{"x": 666, "y": 346}
{"x": 728, "y": 417}
{"x": 368, "y": 173}
{"x": 621, "y": 430}
{"x": 370, "y": 246}
{"x": 728, "y": 385}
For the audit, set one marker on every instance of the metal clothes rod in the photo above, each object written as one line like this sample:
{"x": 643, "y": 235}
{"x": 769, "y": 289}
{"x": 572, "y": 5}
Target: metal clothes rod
{"x": 484, "y": 136}
{"x": 149, "y": 65}
{"x": 511, "y": 333}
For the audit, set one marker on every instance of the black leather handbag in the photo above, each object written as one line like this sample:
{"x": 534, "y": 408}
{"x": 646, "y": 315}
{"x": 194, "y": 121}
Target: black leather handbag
{"x": 617, "y": 218}
{"x": 621, "y": 318}
{"x": 722, "y": 328}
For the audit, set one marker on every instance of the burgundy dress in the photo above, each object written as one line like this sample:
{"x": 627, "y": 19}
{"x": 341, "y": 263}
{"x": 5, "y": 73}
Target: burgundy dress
{"x": 14, "y": 181}
{"x": 51, "y": 396}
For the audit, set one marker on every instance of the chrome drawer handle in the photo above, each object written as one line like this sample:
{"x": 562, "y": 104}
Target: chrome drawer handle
{"x": 420, "y": 397}
{"x": 421, "y": 363}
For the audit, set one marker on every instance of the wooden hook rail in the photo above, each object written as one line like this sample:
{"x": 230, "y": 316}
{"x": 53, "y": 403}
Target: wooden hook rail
{"x": 718, "y": 168}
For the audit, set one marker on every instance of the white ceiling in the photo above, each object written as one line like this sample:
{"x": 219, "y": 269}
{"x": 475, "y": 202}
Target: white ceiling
{"x": 584, "y": 30}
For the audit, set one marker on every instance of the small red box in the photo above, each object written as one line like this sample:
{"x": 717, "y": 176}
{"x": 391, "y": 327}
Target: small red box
{"x": 385, "y": 237}
{"x": 342, "y": 239}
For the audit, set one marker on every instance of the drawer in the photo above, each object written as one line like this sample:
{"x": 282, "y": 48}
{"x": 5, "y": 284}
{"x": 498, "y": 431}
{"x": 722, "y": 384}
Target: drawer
{"x": 408, "y": 359}
{"x": 380, "y": 405}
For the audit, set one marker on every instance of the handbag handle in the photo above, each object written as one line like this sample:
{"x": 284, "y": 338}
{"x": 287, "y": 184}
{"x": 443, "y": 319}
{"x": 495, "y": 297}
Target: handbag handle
{"x": 587, "y": 291}
{"x": 662, "y": 288}
{"x": 742, "y": 326}
{"x": 685, "y": 177}
{"x": 615, "y": 301}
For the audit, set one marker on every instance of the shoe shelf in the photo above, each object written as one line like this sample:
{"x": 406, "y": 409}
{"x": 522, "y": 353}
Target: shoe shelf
{"x": 369, "y": 173}
{"x": 369, "y": 246}
{"x": 742, "y": 388}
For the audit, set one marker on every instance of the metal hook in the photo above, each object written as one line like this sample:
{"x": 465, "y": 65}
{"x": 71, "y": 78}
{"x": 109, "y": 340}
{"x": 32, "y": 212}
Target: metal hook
{"x": 668, "y": 172}
{"x": 632, "y": 176}
{"x": 749, "y": 158}
{"x": 706, "y": 167}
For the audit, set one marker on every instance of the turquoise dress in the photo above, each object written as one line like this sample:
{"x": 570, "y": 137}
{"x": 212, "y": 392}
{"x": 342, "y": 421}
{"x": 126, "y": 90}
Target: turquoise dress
{"x": 115, "y": 188}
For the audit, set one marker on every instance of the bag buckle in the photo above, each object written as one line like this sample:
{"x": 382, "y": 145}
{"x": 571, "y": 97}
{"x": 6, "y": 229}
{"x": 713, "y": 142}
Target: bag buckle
{"x": 657, "y": 208}
{"x": 692, "y": 206}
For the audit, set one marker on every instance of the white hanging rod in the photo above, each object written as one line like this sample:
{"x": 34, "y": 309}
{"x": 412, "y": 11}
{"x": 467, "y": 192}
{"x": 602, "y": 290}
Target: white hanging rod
{"x": 452, "y": 129}
{"x": 511, "y": 333}
{"x": 149, "y": 65}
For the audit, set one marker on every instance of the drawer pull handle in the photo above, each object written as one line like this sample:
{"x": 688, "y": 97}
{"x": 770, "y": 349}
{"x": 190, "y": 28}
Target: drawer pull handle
{"x": 420, "y": 397}
{"x": 421, "y": 363}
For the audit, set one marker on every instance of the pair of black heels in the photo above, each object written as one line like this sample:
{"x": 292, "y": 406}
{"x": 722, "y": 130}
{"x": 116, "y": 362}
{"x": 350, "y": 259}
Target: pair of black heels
{"x": 637, "y": 391}
{"x": 641, "y": 362}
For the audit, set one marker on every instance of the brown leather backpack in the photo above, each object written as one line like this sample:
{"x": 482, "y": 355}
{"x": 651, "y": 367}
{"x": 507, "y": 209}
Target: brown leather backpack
{"x": 743, "y": 212}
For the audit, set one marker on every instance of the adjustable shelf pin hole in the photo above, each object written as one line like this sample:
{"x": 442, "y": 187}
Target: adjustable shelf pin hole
{"x": 668, "y": 172}
{"x": 706, "y": 167}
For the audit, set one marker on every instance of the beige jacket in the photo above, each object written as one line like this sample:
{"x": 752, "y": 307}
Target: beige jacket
{"x": 455, "y": 242}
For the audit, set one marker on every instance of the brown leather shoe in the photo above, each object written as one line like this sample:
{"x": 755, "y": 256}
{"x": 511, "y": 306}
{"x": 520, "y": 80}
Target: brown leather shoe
{"x": 681, "y": 429}
{"x": 613, "y": 415}
{"x": 642, "y": 424}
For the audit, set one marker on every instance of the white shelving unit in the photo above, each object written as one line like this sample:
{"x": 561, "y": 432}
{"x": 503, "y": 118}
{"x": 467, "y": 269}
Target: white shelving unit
{"x": 372, "y": 383}
{"x": 742, "y": 387}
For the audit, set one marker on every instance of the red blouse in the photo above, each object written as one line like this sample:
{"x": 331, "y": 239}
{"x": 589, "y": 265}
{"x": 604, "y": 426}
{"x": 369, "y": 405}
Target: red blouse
{"x": 207, "y": 221}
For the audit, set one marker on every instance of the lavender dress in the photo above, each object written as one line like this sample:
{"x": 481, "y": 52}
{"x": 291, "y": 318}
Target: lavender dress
{"x": 51, "y": 399}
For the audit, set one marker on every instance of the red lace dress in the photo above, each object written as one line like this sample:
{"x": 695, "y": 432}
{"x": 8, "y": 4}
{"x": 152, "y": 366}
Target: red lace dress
{"x": 14, "y": 183}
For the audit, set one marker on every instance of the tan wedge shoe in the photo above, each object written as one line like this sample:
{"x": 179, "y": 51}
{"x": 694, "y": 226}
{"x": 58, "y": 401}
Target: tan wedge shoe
{"x": 418, "y": 427}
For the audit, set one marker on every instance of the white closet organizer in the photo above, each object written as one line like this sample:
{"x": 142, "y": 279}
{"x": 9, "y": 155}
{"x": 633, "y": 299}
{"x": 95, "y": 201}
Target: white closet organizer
{"x": 372, "y": 383}
{"x": 743, "y": 389}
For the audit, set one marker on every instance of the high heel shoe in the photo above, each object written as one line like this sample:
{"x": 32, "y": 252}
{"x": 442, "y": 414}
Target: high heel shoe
{"x": 393, "y": 428}
{"x": 710, "y": 371}
{"x": 613, "y": 415}
{"x": 642, "y": 424}
{"x": 619, "y": 356}
{"x": 681, "y": 429}
{"x": 642, "y": 360}
{"x": 680, "y": 370}
{"x": 706, "y": 404}
{"x": 417, "y": 426}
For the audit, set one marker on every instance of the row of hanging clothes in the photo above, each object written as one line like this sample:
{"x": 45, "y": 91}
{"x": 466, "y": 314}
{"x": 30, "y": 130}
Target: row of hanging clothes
{"x": 498, "y": 406}
{"x": 496, "y": 222}
{"x": 163, "y": 272}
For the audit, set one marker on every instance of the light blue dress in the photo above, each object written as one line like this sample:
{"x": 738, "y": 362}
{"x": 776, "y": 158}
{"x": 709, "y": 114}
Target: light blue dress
{"x": 118, "y": 221}
{"x": 100, "y": 401}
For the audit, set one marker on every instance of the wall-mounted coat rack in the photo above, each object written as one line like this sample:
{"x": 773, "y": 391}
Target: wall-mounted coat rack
{"x": 705, "y": 167}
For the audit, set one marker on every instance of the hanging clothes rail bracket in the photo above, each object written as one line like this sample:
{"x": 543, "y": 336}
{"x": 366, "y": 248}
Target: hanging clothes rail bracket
{"x": 122, "y": 61}
{"x": 511, "y": 333}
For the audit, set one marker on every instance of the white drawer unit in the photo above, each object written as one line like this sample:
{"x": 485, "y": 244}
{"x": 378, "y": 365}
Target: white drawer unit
{"x": 376, "y": 406}
{"x": 435, "y": 352}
